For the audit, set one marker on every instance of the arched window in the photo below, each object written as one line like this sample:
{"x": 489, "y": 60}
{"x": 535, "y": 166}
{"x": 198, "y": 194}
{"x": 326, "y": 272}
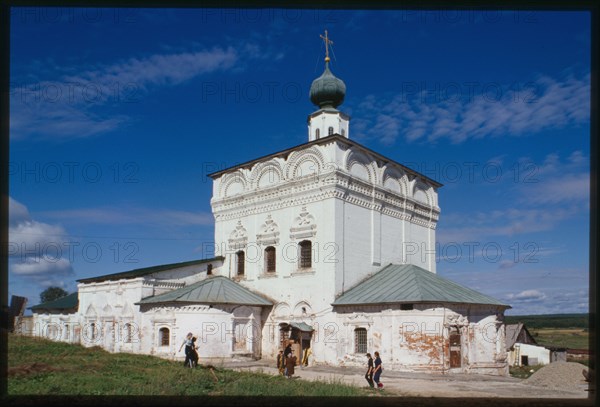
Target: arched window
{"x": 209, "y": 269}
{"x": 343, "y": 132}
{"x": 317, "y": 133}
{"x": 93, "y": 332}
{"x": 360, "y": 340}
{"x": 128, "y": 333}
{"x": 240, "y": 260}
{"x": 330, "y": 132}
{"x": 270, "y": 259}
{"x": 305, "y": 254}
{"x": 163, "y": 336}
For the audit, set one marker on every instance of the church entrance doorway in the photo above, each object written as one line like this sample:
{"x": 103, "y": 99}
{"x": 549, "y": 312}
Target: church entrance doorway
{"x": 455, "y": 346}
{"x": 300, "y": 334}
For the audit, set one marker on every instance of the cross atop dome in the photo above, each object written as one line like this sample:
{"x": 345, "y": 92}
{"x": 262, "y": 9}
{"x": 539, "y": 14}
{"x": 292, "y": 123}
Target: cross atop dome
{"x": 327, "y": 92}
{"x": 327, "y": 41}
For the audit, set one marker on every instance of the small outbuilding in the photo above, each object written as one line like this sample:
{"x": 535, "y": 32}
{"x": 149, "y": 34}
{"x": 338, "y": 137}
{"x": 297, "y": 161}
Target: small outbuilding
{"x": 523, "y": 350}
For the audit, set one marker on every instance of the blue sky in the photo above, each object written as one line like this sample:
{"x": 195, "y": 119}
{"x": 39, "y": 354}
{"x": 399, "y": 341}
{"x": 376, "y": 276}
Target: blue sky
{"x": 117, "y": 115}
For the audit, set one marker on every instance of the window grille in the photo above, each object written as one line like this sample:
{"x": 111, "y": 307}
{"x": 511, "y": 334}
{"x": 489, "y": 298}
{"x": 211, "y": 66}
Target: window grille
{"x": 305, "y": 254}
{"x": 360, "y": 340}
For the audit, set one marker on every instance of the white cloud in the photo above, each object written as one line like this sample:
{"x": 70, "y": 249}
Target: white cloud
{"x": 133, "y": 215}
{"x": 17, "y": 212}
{"x": 555, "y": 181}
{"x": 70, "y": 106}
{"x": 508, "y": 222}
{"x": 527, "y": 295}
{"x": 35, "y": 248}
{"x": 544, "y": 104}
{"x": 566, "y": 188}
{"x": 28, "y": 237}
{"x": 158, "y": 69}
{"x": 44, "y": 266}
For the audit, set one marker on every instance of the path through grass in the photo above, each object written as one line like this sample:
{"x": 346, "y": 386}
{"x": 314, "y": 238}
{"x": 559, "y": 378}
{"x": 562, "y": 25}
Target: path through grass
{"x": 42, "y": 367}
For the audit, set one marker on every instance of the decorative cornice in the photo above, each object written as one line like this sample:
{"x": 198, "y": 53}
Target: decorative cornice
{"x": 336, "y": 184}
{"x": 163, "y": 284}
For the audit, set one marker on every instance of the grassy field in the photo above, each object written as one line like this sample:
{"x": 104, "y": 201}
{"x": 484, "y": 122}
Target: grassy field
{"x": 42, "y": 367}
{"x": 559, "y": 330}
{"x": 565, "y": 338}
{"x": 563, "y": 321}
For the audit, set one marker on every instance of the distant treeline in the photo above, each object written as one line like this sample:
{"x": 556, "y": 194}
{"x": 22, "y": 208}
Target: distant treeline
{"x": 550, "y": 320}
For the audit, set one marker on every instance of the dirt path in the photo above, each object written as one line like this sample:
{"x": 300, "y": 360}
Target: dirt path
{"x": 432, "y": 385}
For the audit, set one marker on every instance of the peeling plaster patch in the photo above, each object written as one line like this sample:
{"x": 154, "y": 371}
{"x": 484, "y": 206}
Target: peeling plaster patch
{"x": 428, "y": 345}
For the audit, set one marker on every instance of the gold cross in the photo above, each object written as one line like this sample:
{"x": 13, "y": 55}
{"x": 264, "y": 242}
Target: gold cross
{"x": 327, "y": 42}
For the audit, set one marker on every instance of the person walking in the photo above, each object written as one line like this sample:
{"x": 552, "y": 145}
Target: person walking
{"x": 377, "y": 371}
{"x": 307, "y": 353}
{"x": 290, "y": 363}
{"x": 369, "y": 374}
{"x": 281, "y": 363}
{"x": 194, "y": 357}
{"x": 187, "y": 342}
{"x": 286, "y": 354}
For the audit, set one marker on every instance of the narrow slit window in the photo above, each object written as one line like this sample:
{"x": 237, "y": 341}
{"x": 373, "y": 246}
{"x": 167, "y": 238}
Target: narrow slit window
{"x": 270, "y": 259}
{"x": 128, "y": 333}
{"x": 305, "y": 254}
{"x": 241, "y": 262}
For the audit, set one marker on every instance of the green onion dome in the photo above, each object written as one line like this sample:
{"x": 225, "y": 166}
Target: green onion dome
{"x": 327, "y": 90}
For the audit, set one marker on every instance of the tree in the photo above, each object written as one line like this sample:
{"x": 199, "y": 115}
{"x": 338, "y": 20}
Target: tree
{"x": 52, "y": 293}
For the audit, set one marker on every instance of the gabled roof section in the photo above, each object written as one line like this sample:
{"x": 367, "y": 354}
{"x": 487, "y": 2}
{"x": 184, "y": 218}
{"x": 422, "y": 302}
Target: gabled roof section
{"x": 147, "y": 270}
{"x": 512, "y": 332}
{"x": 325, "y": 140}
{"x": 408, "y": 283}
{"x": 70, "y": 301}
{"x": 212, "y": 290}
{"x": 518, "y": 333}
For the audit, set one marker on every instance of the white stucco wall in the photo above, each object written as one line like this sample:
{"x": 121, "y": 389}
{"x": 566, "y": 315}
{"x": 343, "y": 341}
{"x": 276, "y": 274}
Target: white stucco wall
{"x": 537, "y": 355}
{"x": 418, "y": 339}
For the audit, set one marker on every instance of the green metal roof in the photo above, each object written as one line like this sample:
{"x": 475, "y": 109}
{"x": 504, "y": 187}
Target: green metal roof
{"x": 66, "y": 302}
{"x": 212, "y": 290}
{"x": 408, "y": 283}
{"x": 147, "y": 270}
{"x": 302, "y": 326}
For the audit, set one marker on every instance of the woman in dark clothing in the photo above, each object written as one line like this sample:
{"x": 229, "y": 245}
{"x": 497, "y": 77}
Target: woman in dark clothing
{"x": 287, "y": 351}
{"x": 290, "y": 363}
{"x": 193, "y": 353}
{"x": 378, "y": 370}
{"x": 369, "y": 374}
{"x": 286, "y": 354}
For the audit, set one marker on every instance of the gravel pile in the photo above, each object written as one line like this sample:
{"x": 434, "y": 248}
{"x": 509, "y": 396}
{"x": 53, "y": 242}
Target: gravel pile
{"x": 560, "y": 375}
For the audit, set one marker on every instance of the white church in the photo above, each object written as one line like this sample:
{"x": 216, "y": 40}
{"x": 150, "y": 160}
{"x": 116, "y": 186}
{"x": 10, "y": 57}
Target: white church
{"x": 327, "y": 243}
